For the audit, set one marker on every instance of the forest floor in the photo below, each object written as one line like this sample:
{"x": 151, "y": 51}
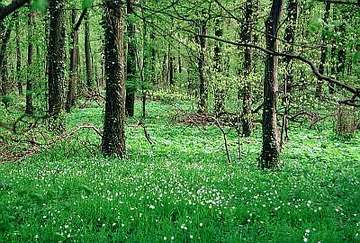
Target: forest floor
{"x": 181, "y": 187}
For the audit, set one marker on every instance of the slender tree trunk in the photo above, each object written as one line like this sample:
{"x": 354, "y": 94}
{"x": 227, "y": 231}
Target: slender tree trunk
{"x": 153, "y": 58}
{"x": 203, "y": 83}
{"x": 171, "y": 70}
{"x": 131, "y": 69}
{"x": 56, "y": 57}
{"x": 323, "y": 55}
{"x": 18, "y": 57}
{"x": 5, "y": 34}
{"x": 164, "y": 69}
{"x": 180, "y": 63}
{"x": 113, "y": 140}
{"x": 246, "y": 37}
{"x": 270, "y": 149}
{"x": 218, "y": 66}
{"x": 30, "y": 74}
{"x": 292, "y": 12}
{"x": 88, "y": 62}
{"x": 333, "y": 64}
{"x": 71, "y": 93}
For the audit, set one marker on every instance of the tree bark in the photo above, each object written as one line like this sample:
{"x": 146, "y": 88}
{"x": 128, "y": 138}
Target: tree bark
{"x": 171, "y": 69}
{"x": 292, "y": 13}
{"x": 246, "y": 37}
{"x": 218, "y": 66}
{"x": 270, "y": 147}
{"x": 56, "y": 57}
{"x": 71, "y": 93}
{"x": 131, "y": 70}
{"x": 113, "y": 140}
{"x": 18, "y": 58}
{"x": 30, "y": 74}
{"x": 203, "y": 83}
{"x": 323, "y": 50}
{"x": 5, "y": 36}
{"x": 88, "y": 62}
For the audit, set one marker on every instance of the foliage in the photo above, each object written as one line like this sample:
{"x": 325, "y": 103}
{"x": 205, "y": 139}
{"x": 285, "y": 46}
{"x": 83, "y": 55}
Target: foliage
{"x": 182, "y": 188}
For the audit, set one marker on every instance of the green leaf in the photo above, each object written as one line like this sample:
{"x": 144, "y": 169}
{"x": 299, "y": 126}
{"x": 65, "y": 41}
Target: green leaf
{"x": 39, "y": 5}
{"x": 315, "y": 24}
{"x": 87, "y": 3}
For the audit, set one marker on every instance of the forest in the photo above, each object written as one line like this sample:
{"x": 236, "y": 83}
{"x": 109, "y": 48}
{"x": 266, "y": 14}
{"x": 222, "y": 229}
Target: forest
{"x": 179, "y": 120}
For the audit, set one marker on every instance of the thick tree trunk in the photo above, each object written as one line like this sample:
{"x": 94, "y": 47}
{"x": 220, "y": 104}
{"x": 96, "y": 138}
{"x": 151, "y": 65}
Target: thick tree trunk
{"x": 30, "y": 74}
{"x": 246, "y": 37}
{"x": 71, "y": 92}
{"x": 18, "y": 58}
{"x": 323, "y": 50}
{"x": 88, "y": 62}
{"x": 113, "y": 140}
{"x": 270, "y": 148}
{"x": 292, "y": 12}
{"x": 203, "y": 83}
{"x": 218, "y": 66}
{"x": 131, "y": 69}
{"x": 56, "y": 57}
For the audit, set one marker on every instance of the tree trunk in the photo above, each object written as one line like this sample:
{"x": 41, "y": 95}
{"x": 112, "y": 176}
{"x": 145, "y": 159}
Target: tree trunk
{"x": 218, "y": 66}
{"x": 88, "y": 63}
{"x": 131, "y": 70}
{"x": 18, "y": 58}
{"x": 323, "y": 50}
{"x": 292, "y": 12}
{"x": 203, "y": 83}
{"x": 30, "y": 74}
{"x": 171, "y": 70}
{"x": 113, "y": 140}
{"x": 164, "y": 69}
{"x": 153, "y": 58}
{"x": 71, "y": 93}
{"x": 56, "y": 57}
{"x": 5, "y": 36}
{"x": 246, "y": 37}
{"x": 179, "y": 63}
{"x": 270, "y": 148}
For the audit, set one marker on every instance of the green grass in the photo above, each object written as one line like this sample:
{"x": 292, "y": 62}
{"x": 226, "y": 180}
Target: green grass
{"x": 182, "y": 188}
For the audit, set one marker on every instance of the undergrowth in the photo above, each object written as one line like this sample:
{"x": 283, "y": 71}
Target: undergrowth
{"x": 182, "y": 188}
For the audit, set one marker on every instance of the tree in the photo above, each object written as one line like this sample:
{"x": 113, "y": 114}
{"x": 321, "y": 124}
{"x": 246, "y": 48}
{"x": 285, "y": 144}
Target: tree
{"x": 71, "y": 93}
{"x": 18, "y": 57}
{"x": 292, "y": 12}
{"x": 323, "y": 50}
{"x": 5, "y": 36}
{"x": 30, "y": 74}
{"x": 218, "y": 66}
{"x": 113, "y": 140}
{"x": 246, "y": 37}
{"x": 131, "y": 70}
{"x": 88, "y": 61}
{"x": 56, "y": 57}
{"x": 270, "y": 146}
{"x": 203, "y": 82}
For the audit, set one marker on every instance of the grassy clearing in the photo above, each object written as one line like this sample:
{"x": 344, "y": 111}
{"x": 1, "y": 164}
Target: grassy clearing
{"x": 182, "y": 189}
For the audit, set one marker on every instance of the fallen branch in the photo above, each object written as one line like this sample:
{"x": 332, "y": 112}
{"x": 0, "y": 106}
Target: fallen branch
{"x": 225, "y": 139}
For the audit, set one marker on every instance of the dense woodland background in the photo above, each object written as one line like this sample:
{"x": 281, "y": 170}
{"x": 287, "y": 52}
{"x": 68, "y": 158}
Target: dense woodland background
{"x": 195, "y": 93}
